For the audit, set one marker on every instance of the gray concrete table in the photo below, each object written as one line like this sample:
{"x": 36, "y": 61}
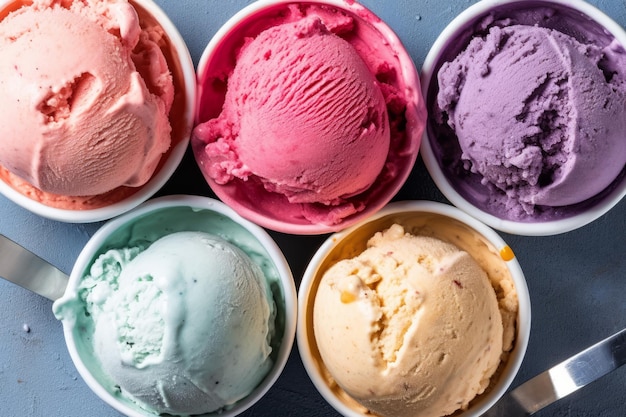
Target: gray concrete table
{"x": 577, "y": 280}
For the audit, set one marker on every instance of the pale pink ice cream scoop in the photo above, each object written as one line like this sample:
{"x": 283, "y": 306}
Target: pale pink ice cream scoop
{"x": 303, "y": 114}
{"x": 85, "y": 97}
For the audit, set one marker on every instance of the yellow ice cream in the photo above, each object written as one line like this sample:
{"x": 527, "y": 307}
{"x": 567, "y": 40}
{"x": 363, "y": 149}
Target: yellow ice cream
{"x": 412, "y": 325}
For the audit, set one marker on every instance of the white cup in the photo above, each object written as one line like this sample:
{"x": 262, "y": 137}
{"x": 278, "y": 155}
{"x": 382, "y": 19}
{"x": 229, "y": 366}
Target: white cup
{"x": 451, "y": 41}
{"x": 469, "y": 234}
{"x": 159, "y": 217}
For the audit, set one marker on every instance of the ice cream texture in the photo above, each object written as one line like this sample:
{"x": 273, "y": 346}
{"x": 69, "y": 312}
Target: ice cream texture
{"x": 539, "y": 115}
{"x": 85, "y": 96}
{"x": 182, "y": 326}
{"x": 312, "y": 119}
{"x": 302, "y": 114}
{"x": 410, "y": 326}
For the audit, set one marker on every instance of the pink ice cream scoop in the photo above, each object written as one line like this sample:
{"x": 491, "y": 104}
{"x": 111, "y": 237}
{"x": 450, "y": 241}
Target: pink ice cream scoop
{"x": 320, "y": 119}
{"x": 303, "y": 114}
{"x": 85, "y": 95}
{"x": 540, "y": 116}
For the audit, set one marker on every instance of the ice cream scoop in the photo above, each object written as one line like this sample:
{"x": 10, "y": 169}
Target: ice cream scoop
{"x": 170, "y": 321}
{"x": 384, "y": 308}
{"x": 90, "y": 122}
{"x": 302, "y": 114}
{"x": 557, "y": 138}
{"x": 308, "y": 114}
{"x": 179, "y": 307}
{"x": 97, "y": 105}
{"x": 410, "y": 314}
{"x": 527, "y": 114}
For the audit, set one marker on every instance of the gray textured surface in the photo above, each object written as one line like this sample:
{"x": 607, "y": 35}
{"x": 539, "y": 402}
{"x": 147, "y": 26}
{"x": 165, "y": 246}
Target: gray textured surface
{"x": 577, "y": 280}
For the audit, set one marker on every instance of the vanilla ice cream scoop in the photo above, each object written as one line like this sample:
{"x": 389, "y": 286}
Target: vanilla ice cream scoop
{"x": 411, "y": 326}
{"x": 183, "y": 326}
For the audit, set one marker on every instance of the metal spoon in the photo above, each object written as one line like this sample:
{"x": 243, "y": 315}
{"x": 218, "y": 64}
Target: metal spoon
{"x": 24, "y": 268}
{"x": 563, "y": 379}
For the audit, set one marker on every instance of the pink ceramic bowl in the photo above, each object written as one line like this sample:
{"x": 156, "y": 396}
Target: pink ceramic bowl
{"x": 271, "y": 209}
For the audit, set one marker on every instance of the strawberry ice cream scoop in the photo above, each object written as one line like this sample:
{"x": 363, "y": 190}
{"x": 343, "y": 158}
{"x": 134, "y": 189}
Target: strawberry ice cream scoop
{"x": 85, "y": 97}
{"x": 303, "y": 115}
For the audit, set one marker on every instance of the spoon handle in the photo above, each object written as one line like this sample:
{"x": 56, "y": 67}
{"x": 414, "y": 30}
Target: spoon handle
{"x": 22, "y": 267}
{"x": 564, "y": 378}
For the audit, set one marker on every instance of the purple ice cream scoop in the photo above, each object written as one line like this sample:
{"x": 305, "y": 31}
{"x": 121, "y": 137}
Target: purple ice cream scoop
{"x": 539, "y": 116}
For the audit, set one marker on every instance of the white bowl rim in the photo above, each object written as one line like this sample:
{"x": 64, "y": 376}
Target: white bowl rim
{"x": 541, "y": 228}
{"x": 524, "y": 314}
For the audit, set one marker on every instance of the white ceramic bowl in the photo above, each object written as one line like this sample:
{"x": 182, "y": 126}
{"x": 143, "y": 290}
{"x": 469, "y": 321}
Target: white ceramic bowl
{"x": 475, "y": 238}
{"x": 271, "y": 210}
{"x": 161, "y": 216}
{"x": 451, "y": 41}
{"x": 181, "y": 118}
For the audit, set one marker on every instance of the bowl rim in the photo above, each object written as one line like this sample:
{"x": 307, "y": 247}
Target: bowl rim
{"x": 313, "y": 368}
{"x": 286, "y": 281}
{"x": 528, "y": 228}
{"x": 412, "y": 89}
{"x": 163, "y": 174}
